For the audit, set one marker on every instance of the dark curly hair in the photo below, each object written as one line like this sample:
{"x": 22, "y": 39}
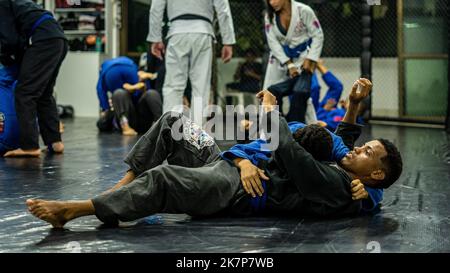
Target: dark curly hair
{"x": 392, "y": 164}
{"x": 316, "y": 140}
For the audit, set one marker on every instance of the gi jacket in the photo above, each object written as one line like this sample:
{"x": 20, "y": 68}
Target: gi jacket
{"x": 17, "y": 20}
{"x": 300, "y": 185}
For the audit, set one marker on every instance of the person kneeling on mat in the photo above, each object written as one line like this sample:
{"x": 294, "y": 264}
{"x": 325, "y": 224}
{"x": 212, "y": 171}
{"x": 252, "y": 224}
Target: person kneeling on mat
{"x": 132, "y": 106}
{"x": 199, "y": 182}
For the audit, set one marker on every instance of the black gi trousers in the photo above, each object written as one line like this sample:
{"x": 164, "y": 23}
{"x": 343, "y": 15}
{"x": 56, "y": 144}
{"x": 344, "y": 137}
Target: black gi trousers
{"x": 196, "y": 180}
{"x": 300, "y": 89}
{"x": 141, "y": 115}
{"x": 34, "y": 93}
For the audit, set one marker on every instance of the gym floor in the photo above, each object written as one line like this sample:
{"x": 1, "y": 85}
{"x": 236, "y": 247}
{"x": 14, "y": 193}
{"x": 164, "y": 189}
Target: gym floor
{"x": 414, "y": 217}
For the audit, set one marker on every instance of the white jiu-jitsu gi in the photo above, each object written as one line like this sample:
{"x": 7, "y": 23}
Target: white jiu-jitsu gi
{"x": 303, "y": 40}
{"x": 189, "y": 50}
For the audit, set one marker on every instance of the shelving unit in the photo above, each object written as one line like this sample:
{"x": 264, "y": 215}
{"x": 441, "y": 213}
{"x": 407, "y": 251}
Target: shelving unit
{"x": 77, "y": 80}
{"x": 71, "y": 18}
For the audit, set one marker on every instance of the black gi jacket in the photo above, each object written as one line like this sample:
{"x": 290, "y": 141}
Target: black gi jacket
{"x": 16, "y": 23}
{"x": 300, "y": 185}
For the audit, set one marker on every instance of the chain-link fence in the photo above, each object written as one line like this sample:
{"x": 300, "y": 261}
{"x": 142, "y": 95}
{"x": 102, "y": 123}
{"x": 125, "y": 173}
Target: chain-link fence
{"x": 341, "y": 24}
{"x": 409, "y": 48}
{"x": 409, "y": 51}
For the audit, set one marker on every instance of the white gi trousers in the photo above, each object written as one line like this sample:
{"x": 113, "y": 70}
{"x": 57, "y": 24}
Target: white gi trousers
{"x": 188, "y": 55}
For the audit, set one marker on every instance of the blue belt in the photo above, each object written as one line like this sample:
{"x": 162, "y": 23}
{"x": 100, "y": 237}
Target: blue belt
{"x": 36, "y": 24}
{"x": 295, "y": 52}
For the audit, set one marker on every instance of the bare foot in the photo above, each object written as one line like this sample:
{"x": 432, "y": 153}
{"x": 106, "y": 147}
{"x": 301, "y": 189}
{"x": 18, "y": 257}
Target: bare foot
{"x": 52, "y": 212}
{"x": 128, "y": 131}
{"x": 58, "y": 147}
{"x": 23, "y": 153}
{"x": 321, "y": 123}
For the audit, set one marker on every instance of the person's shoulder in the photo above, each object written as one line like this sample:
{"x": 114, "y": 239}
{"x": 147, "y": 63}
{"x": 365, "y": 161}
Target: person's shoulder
{"x": 339, "y": 172}
{"x": 303, "y": 8}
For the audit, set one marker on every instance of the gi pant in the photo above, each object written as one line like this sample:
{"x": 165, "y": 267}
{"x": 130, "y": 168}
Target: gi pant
{"x": 34, "y": 93}
{"x": 196, "y": 181}
{"x": 140, "y": 115}
{"x": 298, "y": 111}
{"x": 187, "y": 55}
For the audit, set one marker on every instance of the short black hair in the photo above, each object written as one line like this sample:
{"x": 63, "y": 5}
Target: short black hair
{"x": 316, "y": 140}
{"x": 392, "y": 164}
{"x": 251, "y": 52}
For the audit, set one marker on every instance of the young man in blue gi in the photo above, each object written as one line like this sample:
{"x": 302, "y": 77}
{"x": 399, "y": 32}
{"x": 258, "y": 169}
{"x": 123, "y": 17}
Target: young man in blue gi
{"x": 135, "y": 107}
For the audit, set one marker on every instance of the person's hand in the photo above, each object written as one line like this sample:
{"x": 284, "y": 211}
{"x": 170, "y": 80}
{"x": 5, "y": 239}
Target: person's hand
{"x": 227, "y": 53}
{"x": 158, "y": 49}
{"x": 358, "y": 190}
{"x": 268, "y": 100}
{"x": 246, "y": 124}
{"x": 322, "y": 123}
{"x": 329, "y": 105}
{"x": 293, "y": 72}
{"x": 309, "y": 65}
{"x": 356, "y": 97}
{"x": 132, "y": 88}
{"x": 146, "y": 76}
{"x": 251, "y": 178}
{"x": 103, "y": 113}
{"x": 320, "y": 62}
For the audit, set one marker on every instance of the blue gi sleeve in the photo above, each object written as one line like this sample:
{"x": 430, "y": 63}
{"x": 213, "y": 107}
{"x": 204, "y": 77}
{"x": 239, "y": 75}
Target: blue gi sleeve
{"x": 315, "y": 91}
{"x": 102, "y": 95}
{"x": 335, "y": 88}
{"x": 375, "y": 197}
{"x": 339, "y": 148}
{"x": 251, "y": 151}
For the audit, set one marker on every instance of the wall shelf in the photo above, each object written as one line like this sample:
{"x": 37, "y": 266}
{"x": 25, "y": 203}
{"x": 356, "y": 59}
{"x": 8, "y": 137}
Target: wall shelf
{"x": 83, "y": 32}
{"x": 57, "y": 10}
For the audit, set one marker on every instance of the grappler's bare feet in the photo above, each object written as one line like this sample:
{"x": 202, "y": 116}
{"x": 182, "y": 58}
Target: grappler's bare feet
{"x": 52, "y": 212}
{"x": 61, "y": 127}
{"x": 58, "y": 147}
{"x": 58, "y": 213}
{"x": 23, "y": 153}
{"x": 128, "y": 131}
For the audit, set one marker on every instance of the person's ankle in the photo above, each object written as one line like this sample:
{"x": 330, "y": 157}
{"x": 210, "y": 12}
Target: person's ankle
{"x": 58, "y": 147}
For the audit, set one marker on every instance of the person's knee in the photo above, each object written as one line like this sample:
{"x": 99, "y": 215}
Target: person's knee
{"x": 120, "y": 94}
{"x": 152, "y": 97}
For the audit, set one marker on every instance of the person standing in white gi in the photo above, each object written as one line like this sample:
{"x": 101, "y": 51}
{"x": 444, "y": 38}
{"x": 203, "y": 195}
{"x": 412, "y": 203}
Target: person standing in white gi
{"x": 189, "y": 51}
{"x": 295, "y": 39}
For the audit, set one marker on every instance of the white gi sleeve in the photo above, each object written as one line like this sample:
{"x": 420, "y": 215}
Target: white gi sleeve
{"x": 315, "y": 32}
{"x": 274, "y": 44}
{"x": 223, "y": 11}
{"x": 155, "y": 21}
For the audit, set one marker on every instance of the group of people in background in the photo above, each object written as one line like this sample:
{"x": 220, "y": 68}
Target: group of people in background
{"x": 129, "y": 103}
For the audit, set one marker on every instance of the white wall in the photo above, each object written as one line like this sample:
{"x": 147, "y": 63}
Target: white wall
{"x": 385, "y": 78}
{"x": 77, "y": 81}
{"x": 385, "y": 99}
